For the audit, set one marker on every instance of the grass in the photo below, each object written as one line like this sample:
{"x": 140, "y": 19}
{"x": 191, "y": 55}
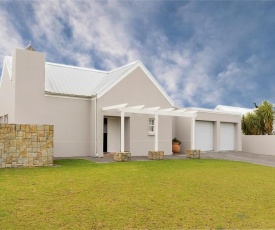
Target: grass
{"x": 170, "y": 194}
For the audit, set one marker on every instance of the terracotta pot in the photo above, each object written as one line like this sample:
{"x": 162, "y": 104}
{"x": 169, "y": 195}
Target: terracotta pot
{"x": 175, "y": 147}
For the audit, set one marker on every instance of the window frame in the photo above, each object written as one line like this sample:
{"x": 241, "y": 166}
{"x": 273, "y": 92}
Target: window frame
{"x": 151, "y": 125}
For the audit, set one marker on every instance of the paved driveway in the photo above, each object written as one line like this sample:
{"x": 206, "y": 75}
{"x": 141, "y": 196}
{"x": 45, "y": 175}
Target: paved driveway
{"x": 241, "y": 156}
{"x": 234, "y": 156}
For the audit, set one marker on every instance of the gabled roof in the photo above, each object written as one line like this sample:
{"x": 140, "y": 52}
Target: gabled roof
{"x": 125, "y": 73}
{"x": 71, "y": 80}
{"x": 226, "y": 108}
{"x": 83, "y": 82}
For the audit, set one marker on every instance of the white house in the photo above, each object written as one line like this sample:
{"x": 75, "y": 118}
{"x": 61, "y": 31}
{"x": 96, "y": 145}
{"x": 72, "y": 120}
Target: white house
{"x": 94, "y": 111}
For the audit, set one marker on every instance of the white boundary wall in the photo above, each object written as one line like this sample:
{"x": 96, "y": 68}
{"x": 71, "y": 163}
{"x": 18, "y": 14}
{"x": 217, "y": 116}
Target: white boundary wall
{"x": 261, "y": 144}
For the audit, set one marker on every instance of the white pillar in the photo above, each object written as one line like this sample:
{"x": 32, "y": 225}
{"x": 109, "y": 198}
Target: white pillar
{"x": 156, "y": 132}
{"x": 193, "y": 123}
{"x": 122, "y": 132}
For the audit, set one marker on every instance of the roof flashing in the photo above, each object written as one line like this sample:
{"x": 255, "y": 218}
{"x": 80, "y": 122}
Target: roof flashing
{"x": 30, "y": 47}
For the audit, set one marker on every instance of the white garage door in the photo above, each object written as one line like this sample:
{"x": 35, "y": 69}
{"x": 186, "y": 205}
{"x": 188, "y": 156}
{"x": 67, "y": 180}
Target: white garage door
{"x": 204, "y": 133}
{"x": 227, "y": 136}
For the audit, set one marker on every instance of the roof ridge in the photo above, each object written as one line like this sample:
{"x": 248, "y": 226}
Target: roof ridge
{"x": 132, "y": 63}
{"x": 76, "y": 67}
{"x": 89, "y": 69}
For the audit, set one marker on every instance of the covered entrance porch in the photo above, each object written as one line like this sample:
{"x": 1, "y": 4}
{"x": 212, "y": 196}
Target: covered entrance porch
{"x": 153, "y": 119}
{"x": 112, "y": 134}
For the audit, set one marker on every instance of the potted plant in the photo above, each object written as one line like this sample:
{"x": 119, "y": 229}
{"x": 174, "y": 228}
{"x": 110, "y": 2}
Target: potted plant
{"x": 176, "y": 145}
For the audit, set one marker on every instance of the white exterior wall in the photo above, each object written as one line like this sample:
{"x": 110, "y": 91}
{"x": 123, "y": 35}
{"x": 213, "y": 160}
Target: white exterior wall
{"x": 183, "y": 132}
{"x": 136, "y": 89}
{"x": 70, "y": 117}
{"x": 260, "y": 144}
{"x": 142, "y": 142}
{"x": 29, "y": 76}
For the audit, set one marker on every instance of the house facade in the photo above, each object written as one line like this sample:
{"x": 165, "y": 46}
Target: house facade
{"x": 95, "y": 112}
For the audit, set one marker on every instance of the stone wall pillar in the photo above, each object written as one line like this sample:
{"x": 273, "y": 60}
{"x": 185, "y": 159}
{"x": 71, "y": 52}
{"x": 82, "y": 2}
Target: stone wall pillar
{"x": 122, "y": 156}
{"x": 156, "y": 155}
{"x": 193, "y": 153}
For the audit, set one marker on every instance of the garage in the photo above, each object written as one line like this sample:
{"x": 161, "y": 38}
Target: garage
{"x": 204, "y": 135}
{"x": 227, "y": 138}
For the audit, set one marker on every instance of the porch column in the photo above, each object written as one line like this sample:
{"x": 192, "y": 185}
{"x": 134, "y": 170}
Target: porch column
{"x": 156, "y": 132}
{"x": 122, "y": 132}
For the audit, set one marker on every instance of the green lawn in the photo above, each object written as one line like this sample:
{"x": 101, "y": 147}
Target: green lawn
{"x": 169, "y": 194}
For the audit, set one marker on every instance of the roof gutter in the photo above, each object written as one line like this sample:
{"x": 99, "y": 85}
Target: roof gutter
{"x": 95, "y": 115}
{"x": 213, "y": 111}
{"x": 47, "y": 93}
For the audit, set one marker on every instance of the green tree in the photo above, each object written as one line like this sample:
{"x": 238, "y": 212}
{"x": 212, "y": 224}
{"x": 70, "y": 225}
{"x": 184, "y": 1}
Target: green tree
{"x": 260, "y": 121}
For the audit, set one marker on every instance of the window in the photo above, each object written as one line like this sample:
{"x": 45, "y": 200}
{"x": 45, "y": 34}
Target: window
{"x": 6, "y": 119}
{"x": 1, "y": 120}
{"x": 151, "y": 126}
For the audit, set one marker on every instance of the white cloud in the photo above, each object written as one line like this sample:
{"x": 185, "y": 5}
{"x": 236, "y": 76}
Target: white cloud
{"x": 9, "y": 37}
{"x": 94, "y": 30}
{"x": 201, "y": 68}
{"x": 105, "y": 32}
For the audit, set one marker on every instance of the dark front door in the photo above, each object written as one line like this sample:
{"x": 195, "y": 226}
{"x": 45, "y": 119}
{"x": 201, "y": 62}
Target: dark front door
{"x": 105, "y": 135}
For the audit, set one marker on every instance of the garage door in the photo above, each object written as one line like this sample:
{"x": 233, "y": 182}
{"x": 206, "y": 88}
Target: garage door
{"x": 227, "y": 136}
{"x": 204, "y": 133}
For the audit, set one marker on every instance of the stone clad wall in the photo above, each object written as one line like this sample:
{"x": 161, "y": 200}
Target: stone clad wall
{"x": 122, "y": 156}
{"x": 156, "y": 155}
{"x": 193, "y": 153}
{"x": 26, "y": 145}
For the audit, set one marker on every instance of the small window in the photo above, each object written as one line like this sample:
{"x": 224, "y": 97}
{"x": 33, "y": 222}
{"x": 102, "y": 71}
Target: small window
{"x": 151, "y": 126}
{"x": 6, "y": 119}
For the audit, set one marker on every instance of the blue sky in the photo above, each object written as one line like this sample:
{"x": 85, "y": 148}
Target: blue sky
{"x": 203, "y": 53}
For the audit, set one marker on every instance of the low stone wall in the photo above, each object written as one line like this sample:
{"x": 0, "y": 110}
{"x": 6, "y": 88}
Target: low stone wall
{"x": 122, "y": 157}
{"x": 193, "y": 153}
{"x": 156, "y": 155}
{"x": 26, "y": 145}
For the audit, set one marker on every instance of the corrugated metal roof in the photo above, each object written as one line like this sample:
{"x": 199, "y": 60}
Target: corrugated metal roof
{"x": 63, "y": 79}
{"x": 71, "y": 80}
{"x": 77, "y": 81}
